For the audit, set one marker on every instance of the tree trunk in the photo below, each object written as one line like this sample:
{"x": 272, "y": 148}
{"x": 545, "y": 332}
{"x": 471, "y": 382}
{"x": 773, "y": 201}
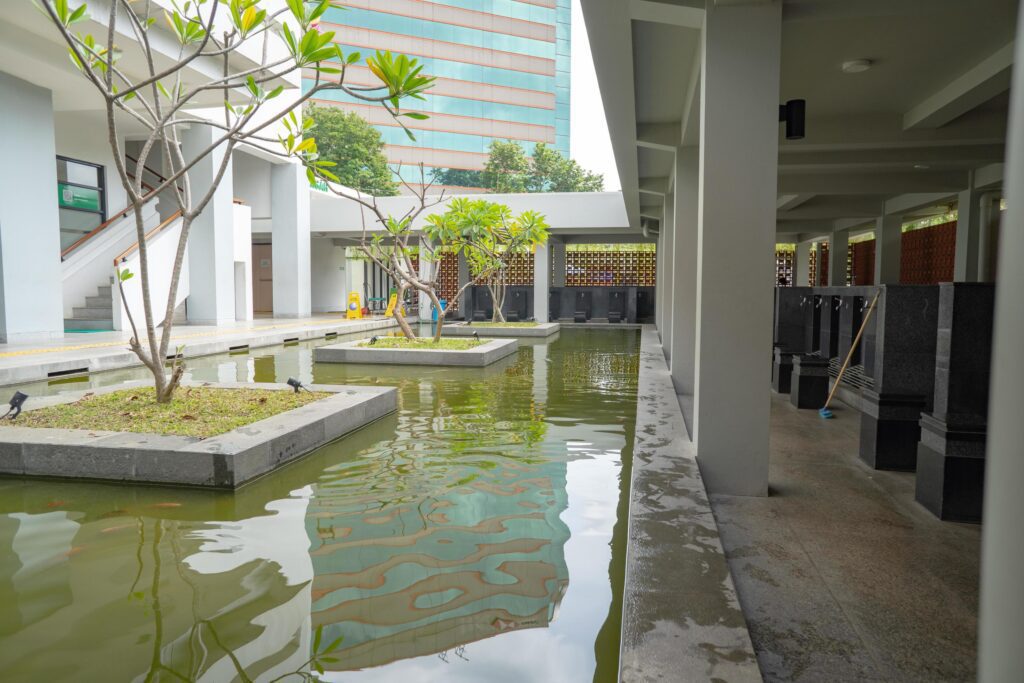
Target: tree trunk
{"x": 441, "y": 312}
{"x": 397, "y": 314}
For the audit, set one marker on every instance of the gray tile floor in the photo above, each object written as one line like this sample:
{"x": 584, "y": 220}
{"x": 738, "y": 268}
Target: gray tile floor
{"x": 841, "y": 575}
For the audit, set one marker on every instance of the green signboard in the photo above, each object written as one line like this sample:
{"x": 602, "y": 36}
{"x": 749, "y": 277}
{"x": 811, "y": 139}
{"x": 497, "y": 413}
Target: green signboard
{"x": 74, "y": 197}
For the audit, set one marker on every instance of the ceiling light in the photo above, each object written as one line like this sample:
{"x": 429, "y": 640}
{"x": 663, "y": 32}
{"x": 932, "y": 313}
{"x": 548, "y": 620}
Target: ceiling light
{"x": 922, "y": 167}
{"x": 856, "y": 66}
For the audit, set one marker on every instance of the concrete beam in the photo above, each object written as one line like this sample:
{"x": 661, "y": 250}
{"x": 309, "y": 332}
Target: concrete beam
{"x": 657, "y": 185}
{"x": 660, "y": 136}
{"x": 666, "y": 13}
{"x": 791, "y": 201}
{"x": 872, "y": 183}
{"x": 981, "y": 83}
{"x": 888, "y": 156}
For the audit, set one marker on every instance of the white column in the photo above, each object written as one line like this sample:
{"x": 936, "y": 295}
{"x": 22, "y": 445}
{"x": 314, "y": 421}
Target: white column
{"x": 541, "y": 282}
{"x": 837, "y": 248}
{"x": 965, "y": 263}
{"x": 289, "y": 215}
{"x": 888, "y": 245}
{"x": 659, "y": 281}
{"x": 426, "y": 273}
{"x": 988, "y": 236}
{"x": 668, "y": 229}
{"x": 1001, "y": 621}
{"x": 684, "y": 270}
{"x": 211, "y": 242}
{"x": 803, "y": 264}
{"x": 736, "y": 239}
{"x": 31, "y": 301}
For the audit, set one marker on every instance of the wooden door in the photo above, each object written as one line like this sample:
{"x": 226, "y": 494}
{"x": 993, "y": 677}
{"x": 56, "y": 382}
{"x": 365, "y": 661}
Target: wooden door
{"x": 262, "y": 278}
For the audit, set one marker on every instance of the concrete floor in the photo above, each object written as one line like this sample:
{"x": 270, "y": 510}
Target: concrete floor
{"x": 841, "y": 575}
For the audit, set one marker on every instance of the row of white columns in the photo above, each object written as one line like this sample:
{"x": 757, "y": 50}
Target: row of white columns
{"x": 721, "y": 303}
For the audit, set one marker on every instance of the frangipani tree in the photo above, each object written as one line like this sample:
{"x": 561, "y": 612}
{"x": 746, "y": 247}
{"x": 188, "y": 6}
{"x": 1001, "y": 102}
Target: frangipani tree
{"x": 389, "y": 241}
{"x": 491, "y": 237}
{"x": 160, "y": 91}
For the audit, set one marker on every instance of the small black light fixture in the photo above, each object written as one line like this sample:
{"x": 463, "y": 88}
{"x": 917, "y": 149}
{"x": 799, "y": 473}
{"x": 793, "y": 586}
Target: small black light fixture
{"x": 17, "y": 401}
{"x": 296, "y": 384}
{"x": 373, "y": 340}
{"x": 476, "y": 335}
{"x": 793, "y": 113}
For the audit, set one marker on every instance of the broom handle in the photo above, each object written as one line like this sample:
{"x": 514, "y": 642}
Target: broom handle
{"x": 853, "y": 347}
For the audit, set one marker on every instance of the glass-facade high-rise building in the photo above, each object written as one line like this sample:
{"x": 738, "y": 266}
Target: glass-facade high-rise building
{"x": 502, "y": 69}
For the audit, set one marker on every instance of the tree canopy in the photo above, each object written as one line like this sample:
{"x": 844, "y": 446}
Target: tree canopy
{"x": 355, "y": 147}
{"x": 509, "y": 170}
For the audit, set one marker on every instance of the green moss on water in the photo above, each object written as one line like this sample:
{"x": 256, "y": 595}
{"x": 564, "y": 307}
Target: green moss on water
{"x": 194, "y": 411}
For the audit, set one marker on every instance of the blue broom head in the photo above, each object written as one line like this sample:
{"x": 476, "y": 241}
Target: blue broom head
{"x": 825, "y": 414}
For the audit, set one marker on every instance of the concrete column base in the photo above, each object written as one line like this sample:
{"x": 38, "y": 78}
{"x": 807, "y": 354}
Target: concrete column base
{"x": 889, "y": 430}
{"x": 782, "y": 371}
{"x": 951, "y": 468}
{"x": 809, "y": 382}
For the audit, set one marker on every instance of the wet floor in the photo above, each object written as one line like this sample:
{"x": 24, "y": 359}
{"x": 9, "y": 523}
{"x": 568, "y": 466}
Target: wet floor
{"x": 476, "y": 534}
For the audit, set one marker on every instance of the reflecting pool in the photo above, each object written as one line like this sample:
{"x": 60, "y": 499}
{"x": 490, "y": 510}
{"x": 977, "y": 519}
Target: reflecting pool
{"x": 477, "y": 534}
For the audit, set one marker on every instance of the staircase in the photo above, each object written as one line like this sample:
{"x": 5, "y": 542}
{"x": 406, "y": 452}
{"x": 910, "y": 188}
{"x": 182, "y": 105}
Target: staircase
{"x": 97, "y": 314}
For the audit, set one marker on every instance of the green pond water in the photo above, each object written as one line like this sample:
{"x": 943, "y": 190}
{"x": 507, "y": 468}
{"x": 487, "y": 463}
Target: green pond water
{"x": 475, "y": 535}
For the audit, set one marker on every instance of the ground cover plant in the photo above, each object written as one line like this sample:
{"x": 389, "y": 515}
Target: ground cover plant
{"x": 197, "y": 411}
{"x": 444, "y": 344}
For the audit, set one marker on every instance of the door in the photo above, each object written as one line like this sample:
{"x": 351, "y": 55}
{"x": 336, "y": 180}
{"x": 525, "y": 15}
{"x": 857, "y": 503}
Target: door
{"x": 262, "y": 279}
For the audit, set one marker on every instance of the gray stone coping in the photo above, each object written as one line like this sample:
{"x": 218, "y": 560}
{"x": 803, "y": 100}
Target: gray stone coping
{"x": 480, "y": 356}
{"x": 39, "y": 366}
{"x": 467, "y": 330}
{"x": 227, "y": 461}
{"x": 681, "y": 619}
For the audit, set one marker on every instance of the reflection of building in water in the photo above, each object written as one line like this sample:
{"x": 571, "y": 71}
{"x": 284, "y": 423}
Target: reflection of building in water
{"x": 426, "y": 573}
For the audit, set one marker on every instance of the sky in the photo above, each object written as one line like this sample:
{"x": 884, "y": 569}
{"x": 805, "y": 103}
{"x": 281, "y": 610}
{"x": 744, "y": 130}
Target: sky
{"x": 588, "y": 140}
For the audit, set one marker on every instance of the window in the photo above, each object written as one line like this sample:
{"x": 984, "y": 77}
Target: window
{"x": 81, "y": 199}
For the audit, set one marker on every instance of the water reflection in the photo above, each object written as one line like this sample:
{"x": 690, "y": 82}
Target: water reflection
{"x": 466, "y": 537}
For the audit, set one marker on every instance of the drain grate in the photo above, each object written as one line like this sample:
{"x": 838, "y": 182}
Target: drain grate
{"x": 854, "y": 375}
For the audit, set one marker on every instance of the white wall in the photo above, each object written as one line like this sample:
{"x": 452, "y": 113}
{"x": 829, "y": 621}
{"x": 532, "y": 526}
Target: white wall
{"x": 30, "y": 276}
{"x": 83, "y": 138}
{"x": 160, "y": 256}
{"x": 330, "y": 276}
{"x": 243, "y": 262}
{"x": 252, "y": 185}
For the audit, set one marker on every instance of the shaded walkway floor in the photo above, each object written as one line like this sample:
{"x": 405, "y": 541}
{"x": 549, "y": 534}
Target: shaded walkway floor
{"x": 842, "y": 576}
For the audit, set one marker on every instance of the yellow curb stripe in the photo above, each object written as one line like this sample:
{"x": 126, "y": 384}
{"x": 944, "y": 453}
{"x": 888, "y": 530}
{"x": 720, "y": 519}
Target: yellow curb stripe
{"x": 197, "y": 335}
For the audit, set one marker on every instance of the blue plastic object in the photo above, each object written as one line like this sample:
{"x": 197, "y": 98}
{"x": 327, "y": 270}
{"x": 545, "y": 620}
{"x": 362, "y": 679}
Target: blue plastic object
{"x": 433, "y": 309}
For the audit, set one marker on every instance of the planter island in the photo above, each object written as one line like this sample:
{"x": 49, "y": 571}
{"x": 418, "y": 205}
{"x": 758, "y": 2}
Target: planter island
{"x": 502, "y": 329}
{"x": 178, "y": 456}
{"x": 397, "y": 351}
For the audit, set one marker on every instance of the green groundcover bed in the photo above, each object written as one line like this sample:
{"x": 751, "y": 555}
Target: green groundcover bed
{"x": 446, "y": 343}
{"x": 522, "y": 324}
{"x": 194, "y": 411}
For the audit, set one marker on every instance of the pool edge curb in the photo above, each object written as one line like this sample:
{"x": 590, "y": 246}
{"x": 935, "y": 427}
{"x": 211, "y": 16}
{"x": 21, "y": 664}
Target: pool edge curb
{"x": 681, "y": 617}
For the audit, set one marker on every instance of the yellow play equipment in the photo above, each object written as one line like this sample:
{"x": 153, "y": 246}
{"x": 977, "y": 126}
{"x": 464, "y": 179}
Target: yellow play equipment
{"x": 354, "y": 309}
{"x": 392, "y": 302}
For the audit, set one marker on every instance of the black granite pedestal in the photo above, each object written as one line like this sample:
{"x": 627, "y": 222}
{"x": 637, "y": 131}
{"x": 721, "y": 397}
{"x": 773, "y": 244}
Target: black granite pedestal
{"x": 889, "y": 430}
{"x": 850, "y": 316}
{"x": 809, "y": 381}
{"x": 951, "y": 454}
{"x": 951, "y": 468}
{"x": 904, "y": 369}
{"x": 812, "y": 322}
{"x": 829, "y": 341}
{"x": 782, "y": 370}
{"x": 788, "y": 330}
